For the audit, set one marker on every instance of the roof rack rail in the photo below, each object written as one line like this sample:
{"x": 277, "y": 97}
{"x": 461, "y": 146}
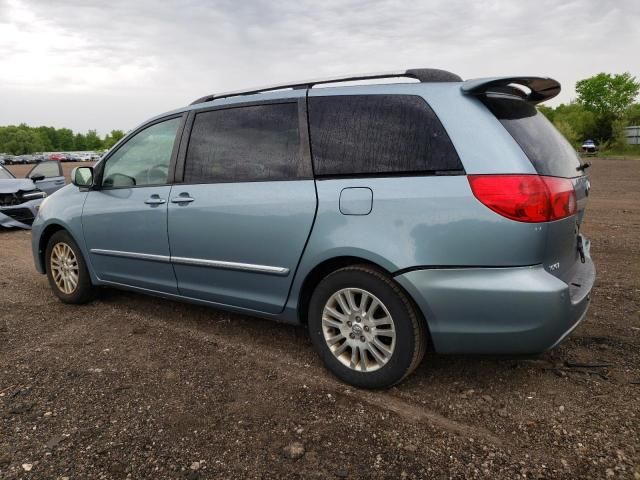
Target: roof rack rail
{"x": 423, "y": 75}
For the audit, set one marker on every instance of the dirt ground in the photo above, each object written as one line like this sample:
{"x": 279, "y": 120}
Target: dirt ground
{"x": 136, "y": 387}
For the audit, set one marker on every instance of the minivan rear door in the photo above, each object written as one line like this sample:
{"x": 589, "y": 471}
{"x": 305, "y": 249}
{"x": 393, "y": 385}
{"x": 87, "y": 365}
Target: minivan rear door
{"x": 243, "y": 206}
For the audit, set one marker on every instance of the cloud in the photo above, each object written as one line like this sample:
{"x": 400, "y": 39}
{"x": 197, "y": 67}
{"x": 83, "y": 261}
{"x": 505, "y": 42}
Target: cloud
{"x": 90, "y": 64}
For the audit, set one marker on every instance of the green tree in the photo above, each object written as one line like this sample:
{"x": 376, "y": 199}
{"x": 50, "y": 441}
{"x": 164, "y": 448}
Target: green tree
{"x": 632, "y": 114}
{"x": 575, "y": 122}
{"x": 79, "y": 142}
{"x": 606, "y": 94}
{"x": 49, "y": 138}
{"x": 618, "y": 137}
{"x": 65, "y": 139}
{"x": 112, "y": 138}
{"x": 566, "y": 129}
{"x": 92, "y": 141}
{"x": 20, "y": 140}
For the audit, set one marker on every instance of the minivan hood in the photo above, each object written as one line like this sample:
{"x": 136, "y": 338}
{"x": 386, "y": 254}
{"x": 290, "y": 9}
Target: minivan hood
{"x": 12, "y": 185}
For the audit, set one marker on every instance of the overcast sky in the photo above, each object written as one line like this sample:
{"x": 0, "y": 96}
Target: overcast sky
{"x": 94, "y": 64}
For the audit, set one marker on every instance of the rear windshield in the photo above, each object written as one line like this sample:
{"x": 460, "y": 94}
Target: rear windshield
{"x": 548, "y": 150}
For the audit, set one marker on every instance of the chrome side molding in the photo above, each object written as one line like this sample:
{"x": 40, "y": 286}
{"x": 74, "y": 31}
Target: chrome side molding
{"x": 197, "y": 262}
{"x": 139, "y": 256}
{"x": 230, "y": 265}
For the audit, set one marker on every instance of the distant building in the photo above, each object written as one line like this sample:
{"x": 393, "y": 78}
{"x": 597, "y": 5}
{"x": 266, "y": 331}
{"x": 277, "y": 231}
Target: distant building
{"x": 633, "y": 135}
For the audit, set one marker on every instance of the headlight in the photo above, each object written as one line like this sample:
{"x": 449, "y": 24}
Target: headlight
{"x": 41, "y": 206}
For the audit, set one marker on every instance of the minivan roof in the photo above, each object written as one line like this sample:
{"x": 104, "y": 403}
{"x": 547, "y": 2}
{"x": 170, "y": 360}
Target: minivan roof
{"x": 423, "y": 75}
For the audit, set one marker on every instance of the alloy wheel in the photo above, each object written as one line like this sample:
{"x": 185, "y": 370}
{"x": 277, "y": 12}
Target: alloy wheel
{"x": 358, "y": 329}
{"x": 64, "y": 268}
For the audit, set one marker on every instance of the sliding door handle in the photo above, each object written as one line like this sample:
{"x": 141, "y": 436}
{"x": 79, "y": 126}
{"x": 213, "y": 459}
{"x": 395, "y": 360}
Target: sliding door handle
{"x": 155, "y": 200}
{"x": 182, "y": 198}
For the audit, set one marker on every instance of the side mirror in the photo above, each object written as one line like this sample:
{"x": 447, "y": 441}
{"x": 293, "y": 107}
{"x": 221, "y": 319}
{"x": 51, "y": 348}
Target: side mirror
{"x": 38, "y": 177}
{"x": 82, "y": 177}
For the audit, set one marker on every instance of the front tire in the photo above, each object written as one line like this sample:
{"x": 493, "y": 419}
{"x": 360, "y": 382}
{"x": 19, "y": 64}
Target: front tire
{"x": 67, "y": 270}
{"x": 366, "y": 329}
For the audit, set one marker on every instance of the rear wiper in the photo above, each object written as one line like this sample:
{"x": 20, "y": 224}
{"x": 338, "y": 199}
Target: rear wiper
{"x": 583, "y": 167}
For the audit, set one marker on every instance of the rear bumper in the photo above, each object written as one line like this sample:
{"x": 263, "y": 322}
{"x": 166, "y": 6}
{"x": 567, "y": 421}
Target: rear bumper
{"x": 521, "y": 310}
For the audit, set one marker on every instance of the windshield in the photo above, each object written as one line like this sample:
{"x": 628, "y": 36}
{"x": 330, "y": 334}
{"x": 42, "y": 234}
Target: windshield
{"x": 5, "y": 174}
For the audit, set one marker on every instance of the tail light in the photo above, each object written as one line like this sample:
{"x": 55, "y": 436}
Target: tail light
{"x": 526, "y": 198}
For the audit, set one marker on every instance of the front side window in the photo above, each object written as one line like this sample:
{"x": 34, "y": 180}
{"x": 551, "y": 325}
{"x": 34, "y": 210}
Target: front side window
{"x": 377, "y": 135}
{"x": 46, "y": 169}
{"x": 246, "y": 144}
{"x": 144, "y": 159}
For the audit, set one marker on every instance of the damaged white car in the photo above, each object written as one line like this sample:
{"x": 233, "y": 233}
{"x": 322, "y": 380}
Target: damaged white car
{"x": 21, "y": 197}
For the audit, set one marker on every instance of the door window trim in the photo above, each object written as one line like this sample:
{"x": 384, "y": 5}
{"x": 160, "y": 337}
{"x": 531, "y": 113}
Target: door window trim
{"x": 60, "y": 173}
{"x": 99, "y": 167}
{"x": 303, "y": 129}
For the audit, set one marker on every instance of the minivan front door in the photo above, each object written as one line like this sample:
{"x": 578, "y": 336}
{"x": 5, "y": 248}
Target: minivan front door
{"x": 240, "y": 220}
{"x": 125, "y": 219}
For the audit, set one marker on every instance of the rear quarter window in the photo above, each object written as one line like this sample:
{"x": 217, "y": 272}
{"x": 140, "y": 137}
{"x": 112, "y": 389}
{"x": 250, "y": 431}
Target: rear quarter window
{"x": 378, "y": 134}
{"x": 547, "y": 149}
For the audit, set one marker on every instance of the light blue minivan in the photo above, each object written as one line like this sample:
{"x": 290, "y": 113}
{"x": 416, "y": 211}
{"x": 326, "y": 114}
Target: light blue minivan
{"x": 389, "y": 218}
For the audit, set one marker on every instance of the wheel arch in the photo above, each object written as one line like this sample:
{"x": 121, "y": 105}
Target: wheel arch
{"x": 45, "y": 236}
{"x": 321, "y": 270}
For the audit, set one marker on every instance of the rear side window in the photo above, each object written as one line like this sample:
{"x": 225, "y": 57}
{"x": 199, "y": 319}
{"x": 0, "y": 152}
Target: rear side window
{"x": 548, "y": 150}
{"x": 378, "y": 134}
{"x": 246, "y": 144}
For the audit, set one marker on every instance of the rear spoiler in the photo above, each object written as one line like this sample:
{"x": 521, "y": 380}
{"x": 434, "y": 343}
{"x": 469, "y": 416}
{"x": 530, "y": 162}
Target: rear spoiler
{"x": 538, "y": 89}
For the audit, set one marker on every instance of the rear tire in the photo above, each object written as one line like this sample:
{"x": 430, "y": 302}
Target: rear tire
{"x": 365, "y": 328}
{"x": 67, "y": 270}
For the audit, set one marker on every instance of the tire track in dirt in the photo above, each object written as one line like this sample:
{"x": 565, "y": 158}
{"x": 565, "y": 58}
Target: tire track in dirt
{"x": 384, "y": 401}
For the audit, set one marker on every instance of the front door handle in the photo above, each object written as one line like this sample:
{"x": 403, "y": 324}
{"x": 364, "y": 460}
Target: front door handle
{"x": 155, "y": 200}
{"x": 182, "y": 198}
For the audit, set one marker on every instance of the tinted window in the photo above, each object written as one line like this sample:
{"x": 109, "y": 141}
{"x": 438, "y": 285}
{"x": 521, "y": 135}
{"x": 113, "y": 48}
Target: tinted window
{"x": 259, "y": 142}
{"x": 548, "y": 150}
{"x": 48, "y": 169}
{"x": 143, "y": 159}
{"x": 377, "y": 134}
